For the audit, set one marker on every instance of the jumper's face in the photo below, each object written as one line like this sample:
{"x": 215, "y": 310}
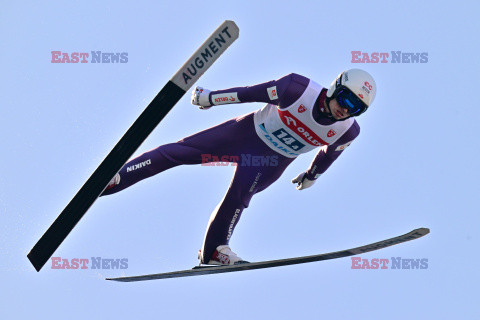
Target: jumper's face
{"x": 338, "y": 113}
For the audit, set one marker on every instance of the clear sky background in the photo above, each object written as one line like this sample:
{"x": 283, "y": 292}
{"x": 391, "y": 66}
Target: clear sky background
{"x": 415, "y": 163}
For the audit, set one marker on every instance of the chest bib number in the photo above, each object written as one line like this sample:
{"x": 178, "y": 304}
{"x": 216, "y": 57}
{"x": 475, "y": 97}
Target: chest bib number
{"x": 288, "y": 139}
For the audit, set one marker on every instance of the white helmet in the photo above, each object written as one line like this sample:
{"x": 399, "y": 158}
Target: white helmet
{"x": 358, "y": 82}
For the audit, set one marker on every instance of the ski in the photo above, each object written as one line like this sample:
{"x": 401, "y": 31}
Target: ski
{"x": 204, "y": 270}
{"x": 158, "y": 108}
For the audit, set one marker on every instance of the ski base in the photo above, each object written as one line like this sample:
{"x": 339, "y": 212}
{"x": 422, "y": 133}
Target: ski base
{"x": 204, "y": 270}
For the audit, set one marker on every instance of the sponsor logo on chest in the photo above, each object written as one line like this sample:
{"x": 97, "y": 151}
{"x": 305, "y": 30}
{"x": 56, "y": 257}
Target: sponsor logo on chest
{"x": 300, "y": 128}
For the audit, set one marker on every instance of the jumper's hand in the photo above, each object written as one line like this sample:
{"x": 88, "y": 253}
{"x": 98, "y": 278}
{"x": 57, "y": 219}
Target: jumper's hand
{"x": 303, "y": 182}
{"x": 200, "y": 97}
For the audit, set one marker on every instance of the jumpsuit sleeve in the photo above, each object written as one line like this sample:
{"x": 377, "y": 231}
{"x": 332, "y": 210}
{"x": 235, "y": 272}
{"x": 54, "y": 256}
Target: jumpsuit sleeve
{"x": 282, "y": 92}
{"x": 328, "y": 154}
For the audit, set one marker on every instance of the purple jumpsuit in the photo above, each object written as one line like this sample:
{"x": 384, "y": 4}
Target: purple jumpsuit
{"x": 236, "y": 140}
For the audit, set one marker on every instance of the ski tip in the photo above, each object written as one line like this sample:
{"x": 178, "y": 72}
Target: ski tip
{"x": 114, "y": 279}
{"x": 33, "y": 260}
{"x": 422, "y": 231}
{"x": 233, "y": 25}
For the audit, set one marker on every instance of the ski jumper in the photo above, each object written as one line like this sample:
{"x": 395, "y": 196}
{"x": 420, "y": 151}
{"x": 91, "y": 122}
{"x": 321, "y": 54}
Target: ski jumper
{"x": 262, "y": 143}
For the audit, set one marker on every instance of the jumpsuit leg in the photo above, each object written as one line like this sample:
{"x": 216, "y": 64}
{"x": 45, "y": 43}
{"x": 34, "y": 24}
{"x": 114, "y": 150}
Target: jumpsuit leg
{"x": 247, "y": 181}
{"x": 215, "y": 141}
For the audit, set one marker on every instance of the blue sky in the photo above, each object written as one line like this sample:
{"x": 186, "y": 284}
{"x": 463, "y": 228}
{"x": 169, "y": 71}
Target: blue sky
{"x": 415, "y": 163}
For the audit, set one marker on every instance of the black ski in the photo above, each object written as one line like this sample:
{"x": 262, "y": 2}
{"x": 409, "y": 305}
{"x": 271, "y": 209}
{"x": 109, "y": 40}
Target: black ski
{"x": 198, "y": 271}
{"x": 165, "y": 100}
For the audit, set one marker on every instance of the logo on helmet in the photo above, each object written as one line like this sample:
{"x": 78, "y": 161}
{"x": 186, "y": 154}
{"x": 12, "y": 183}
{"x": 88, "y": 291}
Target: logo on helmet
{"x": 360, "y": 95}
{"x": 366, "y": 87}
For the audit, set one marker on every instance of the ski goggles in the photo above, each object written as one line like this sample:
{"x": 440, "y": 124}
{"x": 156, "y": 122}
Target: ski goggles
{"x": 349, "y": 100}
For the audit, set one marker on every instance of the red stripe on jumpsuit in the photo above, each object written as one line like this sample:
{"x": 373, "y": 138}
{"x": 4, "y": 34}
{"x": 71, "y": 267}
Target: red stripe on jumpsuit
{"x": 300, "y": 128}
